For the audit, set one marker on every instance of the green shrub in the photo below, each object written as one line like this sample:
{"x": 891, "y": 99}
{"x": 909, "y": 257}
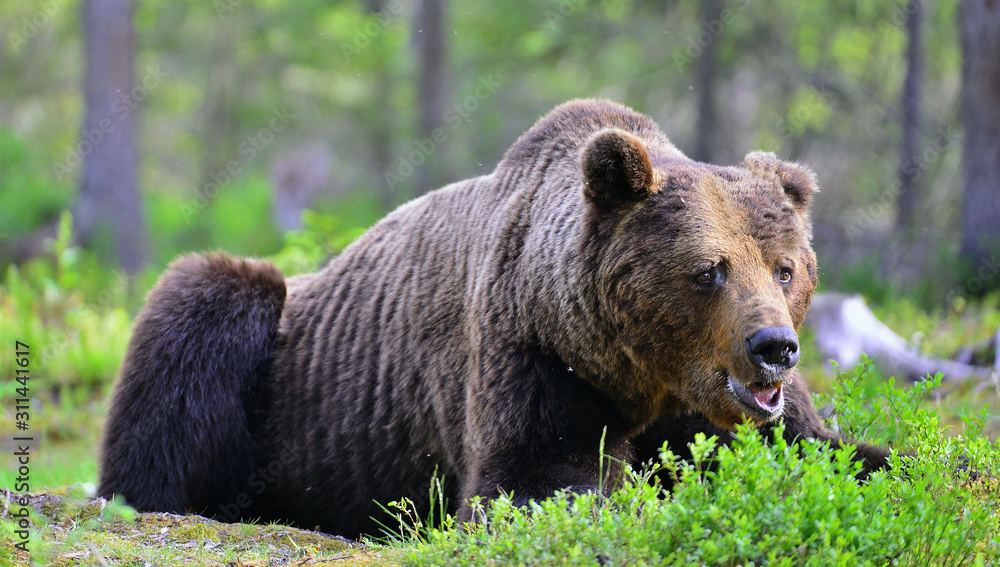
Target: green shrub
{"x": 764, "y": 503}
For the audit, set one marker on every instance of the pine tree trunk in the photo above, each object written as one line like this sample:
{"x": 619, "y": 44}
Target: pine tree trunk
{"x": 909, "y": 146}
{"x": 382, "y": 122}
{"x": 980, "y": 29}
{"x": 108, "y": 203}
{"x": 705, "y": 142}
{"x": 431, "y": 83}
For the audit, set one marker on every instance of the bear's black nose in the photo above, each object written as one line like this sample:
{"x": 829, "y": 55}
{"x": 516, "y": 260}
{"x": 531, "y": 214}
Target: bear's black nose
{"x": 773, "y": 348}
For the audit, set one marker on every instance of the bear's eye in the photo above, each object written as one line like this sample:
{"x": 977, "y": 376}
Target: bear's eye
{"x": 707, "y": 279}
{"x": 785, "y": 275}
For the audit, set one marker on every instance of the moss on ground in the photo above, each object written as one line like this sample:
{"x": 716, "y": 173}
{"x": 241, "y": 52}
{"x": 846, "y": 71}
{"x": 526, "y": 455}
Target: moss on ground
{"x": 71, "y": 531}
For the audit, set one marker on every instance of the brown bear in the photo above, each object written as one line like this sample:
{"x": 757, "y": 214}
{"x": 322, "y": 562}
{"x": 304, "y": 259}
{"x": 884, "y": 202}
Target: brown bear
{"x": 597, "y": 282}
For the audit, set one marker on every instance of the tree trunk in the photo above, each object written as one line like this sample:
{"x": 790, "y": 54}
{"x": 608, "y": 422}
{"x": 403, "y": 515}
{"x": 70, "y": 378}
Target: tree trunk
{"x": 430, "y": 83}
{"x": 108, "y": 202}
{"x": 909, "y": 146}
{"x": 381, "y": 121}
{"x": 704, "y": 149}
{"x": 980, "y": 28}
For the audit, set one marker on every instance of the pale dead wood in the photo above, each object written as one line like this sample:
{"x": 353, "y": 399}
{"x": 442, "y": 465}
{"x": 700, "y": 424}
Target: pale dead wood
{"x": 845, "y": 328}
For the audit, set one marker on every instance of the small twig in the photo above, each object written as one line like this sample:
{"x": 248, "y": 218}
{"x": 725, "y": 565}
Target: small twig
{"x": 98, "y": 555}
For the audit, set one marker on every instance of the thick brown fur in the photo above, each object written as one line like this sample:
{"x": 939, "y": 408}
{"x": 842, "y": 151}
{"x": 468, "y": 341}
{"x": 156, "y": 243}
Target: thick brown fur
{"x": 494, "y": 330}
{"x": 178, "y": 437}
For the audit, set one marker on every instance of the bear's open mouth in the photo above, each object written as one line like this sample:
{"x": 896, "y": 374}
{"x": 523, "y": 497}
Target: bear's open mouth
{"x": 760, "y": 396}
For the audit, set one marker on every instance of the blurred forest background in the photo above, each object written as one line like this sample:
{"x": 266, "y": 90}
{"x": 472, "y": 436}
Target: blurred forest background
{"x": 225, "y": 119}
{"x": 131, "y": 132}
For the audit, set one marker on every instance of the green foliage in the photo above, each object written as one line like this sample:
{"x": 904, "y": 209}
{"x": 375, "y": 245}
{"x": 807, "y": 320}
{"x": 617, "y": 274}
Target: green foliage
{"x": 873, "y": 408}
{"x": 240, "y": 220}
{"x": 72, "y": 313}
{"x": 889, "y": 284}
{"x": 817, "y": 81}
{"x": 321, "y": 237}
{"x": 237, "y": 219}
{"x": 763, "y": 503}
{"x": 864, "y": 277}
{"x": 67, "y": 453}
{"x": 30, "y": 196}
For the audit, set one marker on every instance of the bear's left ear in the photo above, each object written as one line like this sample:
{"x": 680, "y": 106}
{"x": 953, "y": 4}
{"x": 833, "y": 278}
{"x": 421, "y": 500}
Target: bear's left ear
{"x": 616, "y": 169}
{"x": 798, "y": 181}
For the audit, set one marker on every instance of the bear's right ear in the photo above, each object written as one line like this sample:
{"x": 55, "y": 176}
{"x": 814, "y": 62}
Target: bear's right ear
{"x": 798, "y": 181}
{"x": 616, "y": 169}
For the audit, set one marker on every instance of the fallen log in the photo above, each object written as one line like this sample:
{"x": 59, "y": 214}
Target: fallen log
{"x": 845, "y": 328}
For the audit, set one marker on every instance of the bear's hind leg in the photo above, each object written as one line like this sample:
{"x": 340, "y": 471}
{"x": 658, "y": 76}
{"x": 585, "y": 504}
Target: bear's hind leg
{"x": 177, "y": 437}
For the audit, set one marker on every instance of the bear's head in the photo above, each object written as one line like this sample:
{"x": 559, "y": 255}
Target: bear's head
{"x": 704, "y": 272}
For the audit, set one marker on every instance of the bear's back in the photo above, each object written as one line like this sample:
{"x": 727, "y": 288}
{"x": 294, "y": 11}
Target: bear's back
{"x": 369, "y": 353}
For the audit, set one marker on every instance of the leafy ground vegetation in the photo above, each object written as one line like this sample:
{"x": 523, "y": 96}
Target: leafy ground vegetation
{"x": 753, "y": 502}
{"x": 759, "y": 503}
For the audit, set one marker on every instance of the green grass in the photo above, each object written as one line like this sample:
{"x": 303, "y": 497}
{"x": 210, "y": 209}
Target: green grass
{"x": 57, "y": 465}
